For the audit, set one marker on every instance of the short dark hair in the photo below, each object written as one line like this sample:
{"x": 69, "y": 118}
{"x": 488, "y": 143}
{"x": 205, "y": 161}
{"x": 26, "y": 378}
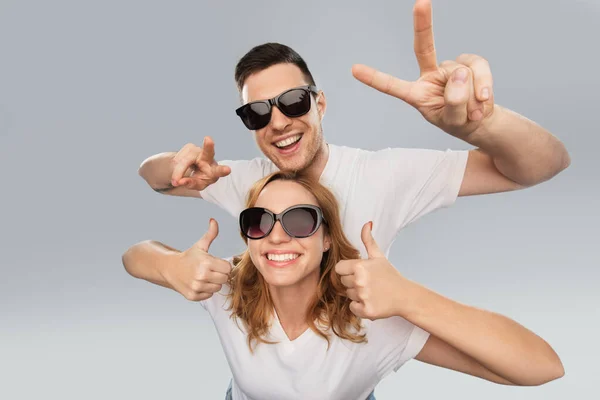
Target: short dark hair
{"x": 265, "y": 55}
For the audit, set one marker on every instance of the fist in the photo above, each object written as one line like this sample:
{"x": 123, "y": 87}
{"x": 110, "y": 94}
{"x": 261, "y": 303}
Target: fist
{"x": 197, "y": 275}
{"x": 371, "y": 284}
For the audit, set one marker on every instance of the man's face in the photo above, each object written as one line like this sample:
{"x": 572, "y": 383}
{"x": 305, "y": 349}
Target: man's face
{"x": 290, "y": 143}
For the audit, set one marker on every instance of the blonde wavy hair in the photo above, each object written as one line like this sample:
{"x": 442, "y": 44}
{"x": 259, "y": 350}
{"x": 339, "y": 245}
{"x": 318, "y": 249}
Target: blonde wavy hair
{"x": 249, "y": 296}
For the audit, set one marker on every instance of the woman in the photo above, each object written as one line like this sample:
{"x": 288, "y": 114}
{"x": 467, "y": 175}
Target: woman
{"x": 301, "y": 316}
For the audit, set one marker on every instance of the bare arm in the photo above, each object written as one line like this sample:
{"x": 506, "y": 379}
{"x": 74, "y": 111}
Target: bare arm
{"x": 193, "y": 273}
{"x": 185, "y": 173}
{"x": 462, "y": 338}
{"x": 513, "y": 153}
{"x": 157, "y": 171}
{"x": 148, "y": 260}
{"x": 479, "y": 342}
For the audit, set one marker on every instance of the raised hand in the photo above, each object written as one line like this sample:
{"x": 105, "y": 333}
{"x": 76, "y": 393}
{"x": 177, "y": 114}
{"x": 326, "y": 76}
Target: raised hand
{"x": 455, "y": 96}
{"x": 205, "y": 170}
{"x": 195, "y": 274}
{"x": 372, "y": 284}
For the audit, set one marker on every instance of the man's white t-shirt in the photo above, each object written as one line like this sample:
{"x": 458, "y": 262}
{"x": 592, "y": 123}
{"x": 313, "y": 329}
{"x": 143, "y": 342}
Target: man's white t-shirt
{"x": 393, "y": 188}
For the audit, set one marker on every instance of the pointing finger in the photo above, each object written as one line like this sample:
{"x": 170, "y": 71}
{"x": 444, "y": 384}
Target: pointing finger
{"x": 383, "y": 82}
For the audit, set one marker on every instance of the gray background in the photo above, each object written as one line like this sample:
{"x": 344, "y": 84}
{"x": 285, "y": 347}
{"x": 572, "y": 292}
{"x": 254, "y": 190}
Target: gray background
{"x": 88, "y": 89}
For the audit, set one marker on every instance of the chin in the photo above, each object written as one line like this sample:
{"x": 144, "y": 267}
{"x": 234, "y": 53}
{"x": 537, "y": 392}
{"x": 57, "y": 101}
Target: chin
{"x": 281, "y": 282}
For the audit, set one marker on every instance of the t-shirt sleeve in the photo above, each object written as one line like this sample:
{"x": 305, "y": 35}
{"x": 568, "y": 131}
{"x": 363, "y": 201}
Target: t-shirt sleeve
{"x": 412, "y": 182}
{"x": 397, "y": 342}
{"x": 230, "y": 192}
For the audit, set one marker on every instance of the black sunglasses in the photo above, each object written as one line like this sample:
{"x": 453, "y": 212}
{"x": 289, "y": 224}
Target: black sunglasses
{"x": 298, "y": 221}
{"x": 292, "y": 103}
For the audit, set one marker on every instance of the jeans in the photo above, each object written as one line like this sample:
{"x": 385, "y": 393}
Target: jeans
{"x": 228, "y": 394}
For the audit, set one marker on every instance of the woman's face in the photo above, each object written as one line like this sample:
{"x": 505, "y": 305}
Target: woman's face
{"x": 283, "y": 260}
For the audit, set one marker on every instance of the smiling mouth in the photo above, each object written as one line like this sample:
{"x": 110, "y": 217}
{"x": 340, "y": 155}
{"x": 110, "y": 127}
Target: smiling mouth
{"x": 288, "y": 143}
{"x": 282, "y": 260}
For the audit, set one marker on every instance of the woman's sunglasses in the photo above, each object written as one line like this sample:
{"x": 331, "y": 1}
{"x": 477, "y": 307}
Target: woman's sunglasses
{"x": 298, "y": 221}
{"x": 292, "y": 103}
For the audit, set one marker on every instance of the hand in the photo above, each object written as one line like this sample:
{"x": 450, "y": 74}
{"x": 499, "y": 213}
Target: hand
{"x": 205, "y": 170}
{"x": 371, "y": 284}
{"x": 457, "y": 106}
{"x": 195, "y": 274}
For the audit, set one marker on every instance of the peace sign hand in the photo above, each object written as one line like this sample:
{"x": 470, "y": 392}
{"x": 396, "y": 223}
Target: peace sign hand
{"x": 455, "y": 96}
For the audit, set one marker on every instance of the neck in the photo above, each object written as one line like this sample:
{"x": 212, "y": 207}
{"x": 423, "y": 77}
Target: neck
{"x": 315, "y": 169}
{"x": 292, "y": 302}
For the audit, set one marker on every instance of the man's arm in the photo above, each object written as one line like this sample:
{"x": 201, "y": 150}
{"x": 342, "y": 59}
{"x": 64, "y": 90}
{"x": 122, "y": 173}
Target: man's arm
{"x": 513, "y": 153}
{"x": 157, "y": 171}
{"x": 185, "y": 173}
{"x": 457, "y": 96}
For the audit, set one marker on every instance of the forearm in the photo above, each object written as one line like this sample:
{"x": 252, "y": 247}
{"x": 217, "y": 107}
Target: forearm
{"x": 522, "y": 150}
{"x": 498, "y": 343}
{"x": 157, "y": 171}
{"x": 148, "y": 260}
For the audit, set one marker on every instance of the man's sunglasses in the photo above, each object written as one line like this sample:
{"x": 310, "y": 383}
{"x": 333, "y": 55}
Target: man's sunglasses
{"x": 292, "y": 103}
{"x": 298, "y": 221}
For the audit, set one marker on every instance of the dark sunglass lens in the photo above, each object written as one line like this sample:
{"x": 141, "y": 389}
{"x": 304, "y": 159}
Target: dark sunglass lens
{"x": 300, "y": 222}
{"x": 256, "y": 115}
{"x": 256, "y": 223}
{"x": 296, "y": 102}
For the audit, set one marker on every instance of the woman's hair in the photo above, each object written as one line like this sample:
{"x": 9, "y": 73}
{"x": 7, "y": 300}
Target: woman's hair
{"x": 249, "y": 294}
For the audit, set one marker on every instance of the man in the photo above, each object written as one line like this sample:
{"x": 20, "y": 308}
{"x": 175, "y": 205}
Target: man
{"x": 391, "y": 187}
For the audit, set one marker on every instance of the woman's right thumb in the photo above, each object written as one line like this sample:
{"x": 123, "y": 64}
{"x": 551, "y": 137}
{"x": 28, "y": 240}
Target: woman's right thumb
{"x": 210, "y": 235}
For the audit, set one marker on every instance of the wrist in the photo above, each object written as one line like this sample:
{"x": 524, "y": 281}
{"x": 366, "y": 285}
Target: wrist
{"x": 167, "y": 266}
{"x": 407, "y": 298}
{"x": 484, "y": 134}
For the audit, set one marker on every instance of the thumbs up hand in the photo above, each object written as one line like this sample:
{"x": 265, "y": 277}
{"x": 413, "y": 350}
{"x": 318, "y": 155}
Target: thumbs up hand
{"x": 195, "y": 274}
{"x": 372, "y": 284}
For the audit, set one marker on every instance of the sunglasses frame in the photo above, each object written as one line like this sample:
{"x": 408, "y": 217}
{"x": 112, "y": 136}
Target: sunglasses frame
{"x": 279, "y": 217}
{"x": 275, "y": 102}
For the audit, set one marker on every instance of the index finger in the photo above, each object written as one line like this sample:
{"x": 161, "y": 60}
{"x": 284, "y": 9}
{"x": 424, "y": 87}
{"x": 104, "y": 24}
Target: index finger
{"x": 424, "y": 44}
{"x": 221, "y": 266}
{"x": 345, "y": 267}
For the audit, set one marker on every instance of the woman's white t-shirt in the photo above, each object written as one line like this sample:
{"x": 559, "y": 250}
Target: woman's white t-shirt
{"x": 304, "y": 368}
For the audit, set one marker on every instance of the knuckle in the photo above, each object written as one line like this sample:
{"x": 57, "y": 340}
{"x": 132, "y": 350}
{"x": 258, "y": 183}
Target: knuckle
{"x": 196, "y": 287}
{"x": 189, "y": 294}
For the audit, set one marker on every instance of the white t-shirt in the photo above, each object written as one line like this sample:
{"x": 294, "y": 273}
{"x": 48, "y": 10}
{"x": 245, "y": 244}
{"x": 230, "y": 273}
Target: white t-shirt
{"x": 391, "y": 187}
{"x": 303, "y": 369}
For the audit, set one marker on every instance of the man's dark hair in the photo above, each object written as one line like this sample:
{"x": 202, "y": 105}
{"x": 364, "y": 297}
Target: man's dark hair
{"x": 265, "y": 55}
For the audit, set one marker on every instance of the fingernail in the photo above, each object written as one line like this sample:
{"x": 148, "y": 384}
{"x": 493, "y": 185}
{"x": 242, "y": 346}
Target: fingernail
{"x": 485, "y": 93}
{"x": 461, "y": 75}
{"x": 371, "y": 225}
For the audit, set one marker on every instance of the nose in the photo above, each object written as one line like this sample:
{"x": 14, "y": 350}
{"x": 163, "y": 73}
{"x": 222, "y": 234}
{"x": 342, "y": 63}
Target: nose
{"x": 278, "y": 234}
{"x": 279, "y": 121}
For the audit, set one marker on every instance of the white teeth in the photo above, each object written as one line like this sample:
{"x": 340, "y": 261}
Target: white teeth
{"x": 282, "y": 257}
{"x": 288, "y": 141}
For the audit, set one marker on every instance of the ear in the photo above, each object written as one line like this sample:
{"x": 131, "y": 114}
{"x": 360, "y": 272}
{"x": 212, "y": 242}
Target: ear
{"x": 321, "y": 104}
{"x": 326, "y": 242}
